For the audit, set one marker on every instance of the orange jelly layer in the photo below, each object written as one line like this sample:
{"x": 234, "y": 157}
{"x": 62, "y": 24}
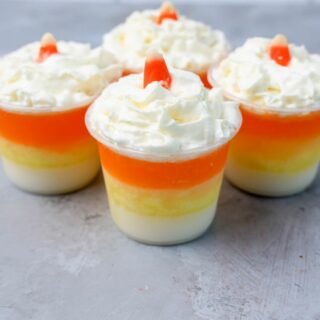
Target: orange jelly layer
{"x": 55, "y": 131}
{"x": 290, "y": 142}
{"x": 163, "y": 175}
{"x": 273, "y": 125}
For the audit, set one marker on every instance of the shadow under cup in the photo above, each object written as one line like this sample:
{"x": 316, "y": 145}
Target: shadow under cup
{"x": 47, "y": 152}
{"x": 162, "y": 202}
{"x": 276, "y": 153}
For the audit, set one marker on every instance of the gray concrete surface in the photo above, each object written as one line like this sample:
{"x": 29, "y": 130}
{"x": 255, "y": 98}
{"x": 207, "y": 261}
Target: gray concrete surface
{"x": 62, "y": 257}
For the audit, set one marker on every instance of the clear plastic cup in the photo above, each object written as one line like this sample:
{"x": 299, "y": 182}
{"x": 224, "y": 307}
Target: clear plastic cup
{"x": 161, "y": 200}
{"x": 276, "y": 152}
{"x": 46, "y": 151}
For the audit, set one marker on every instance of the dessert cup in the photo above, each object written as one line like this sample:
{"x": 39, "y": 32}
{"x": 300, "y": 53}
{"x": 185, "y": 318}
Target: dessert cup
{"x": 45, "y": 90}
{"x": 185, "y": 43}
{"x": 163, "y": 147}
{"x": 160, "y": 201}
{"x": 276, "y": 152}
{"x": 276, "y": 83}
{"x": 45, "y": 151}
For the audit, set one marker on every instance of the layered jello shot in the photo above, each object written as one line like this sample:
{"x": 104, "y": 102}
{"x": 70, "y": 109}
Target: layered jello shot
{"x": 277, "y": 150}
{"x": 45, "y": 90}
{"x": 186, "y": 44}
{"x": 163, "y": 141}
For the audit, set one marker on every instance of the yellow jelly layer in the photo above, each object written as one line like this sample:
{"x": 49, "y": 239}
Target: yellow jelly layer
{"x": 277, "y": 156}
{"x": 41, "y": 158}
{"x": 163, "y": 203}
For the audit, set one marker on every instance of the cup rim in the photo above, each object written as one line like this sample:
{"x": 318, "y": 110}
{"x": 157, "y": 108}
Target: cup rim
{"x": 256, "y": 107}
{"x": 142, "y": 155}
{"x": 23, "y": 109}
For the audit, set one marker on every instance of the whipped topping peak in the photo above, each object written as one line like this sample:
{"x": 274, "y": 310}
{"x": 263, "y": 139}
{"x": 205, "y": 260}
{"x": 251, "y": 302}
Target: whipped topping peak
{"x": 186, "y": 44}
{"x": 34, "y": 77}
{"x": 251, "y": 74}
{"x": 163, "y": 123}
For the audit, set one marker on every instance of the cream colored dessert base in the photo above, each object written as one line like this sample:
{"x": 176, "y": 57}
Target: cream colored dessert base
{"x": 269, "y": 184}
{"x": 51, "y": 180}
{"x": 162, "y": 230}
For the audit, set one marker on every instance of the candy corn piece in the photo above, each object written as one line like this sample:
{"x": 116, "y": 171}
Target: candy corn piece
{"x": 167, "y": 11}
{"x": 155, "y": 69}
{"x": 47, "y": 48}
{"x": 279, "y": 50}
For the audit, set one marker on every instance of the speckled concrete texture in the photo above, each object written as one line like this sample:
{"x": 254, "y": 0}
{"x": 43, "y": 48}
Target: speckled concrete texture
{"x": 63, "y": 258}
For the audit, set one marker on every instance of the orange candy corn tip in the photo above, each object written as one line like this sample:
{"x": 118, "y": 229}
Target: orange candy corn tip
{"x": 167, "y": 11}
{"x": 48, "y": 47}
{"x": 155, "y": 69}
{"x": 279, "y": 50}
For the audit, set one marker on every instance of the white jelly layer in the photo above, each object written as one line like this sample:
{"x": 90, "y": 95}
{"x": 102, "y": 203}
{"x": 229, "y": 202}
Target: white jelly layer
{"x": 162, "y": 230}
{"x": 51, "y": 180}
{"x": 269, "y": 184}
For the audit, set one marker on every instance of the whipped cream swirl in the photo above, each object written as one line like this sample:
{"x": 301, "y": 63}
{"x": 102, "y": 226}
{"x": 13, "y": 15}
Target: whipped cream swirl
{"x": 71, "y": 78}
{"x": 186, "y": 44}
{"x": 250, "y": 74}
{"x": 161, "y": 122}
